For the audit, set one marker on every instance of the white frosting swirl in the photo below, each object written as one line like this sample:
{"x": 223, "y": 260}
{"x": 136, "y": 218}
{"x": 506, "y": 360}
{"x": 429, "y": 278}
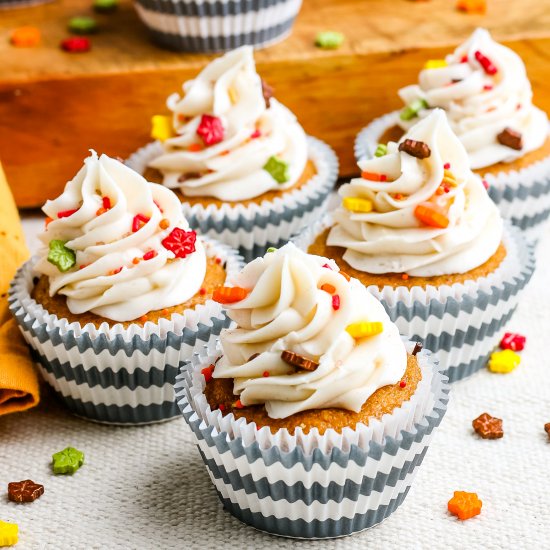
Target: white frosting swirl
{"x": 287, "y": 310}
{"x": 479, "y": 106}
{"x": 391, "y": 238}
{"x": 105, "y": 243}
{"x": 231, "y": 170}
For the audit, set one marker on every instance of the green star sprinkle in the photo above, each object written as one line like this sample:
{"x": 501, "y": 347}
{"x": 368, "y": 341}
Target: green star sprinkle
{"x": 329, "y": 40}
{"x": 67, "y": 461}
{"x": 271, "y": 249}
{"x": 83, "y": 25}
{"x": 278, "y": 169}
{"x": 412, "y": 109}
{"x": 381, "y": 150}
{"x": 59, "y": 255}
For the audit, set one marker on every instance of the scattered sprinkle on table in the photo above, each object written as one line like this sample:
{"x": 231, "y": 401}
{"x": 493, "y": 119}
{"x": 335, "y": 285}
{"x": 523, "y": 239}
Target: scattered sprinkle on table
{"x": 504, "y": 361}
{"x": 9, "y": 533}
{"x": 76, "y": 44}
{"x": 24, "y": 491}
{"x": 329, "y": 40}
{"x": 472, "y": 6}
{"x": 67, "y": 461}
{"x": 83, "y": 25}
{"x": 25, "y": 37}
{"x": 513, "y": 341}
{"x": 464, "y": 505}
{"x": 547, "y": 428}
{"x": 105, "y": 6}
{"x": 488, "y": 427}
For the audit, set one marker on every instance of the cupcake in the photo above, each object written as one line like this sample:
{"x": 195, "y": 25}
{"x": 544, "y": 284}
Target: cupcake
{"x": 242, "y": 165}
{"x": 214, "y": 26}
{"x": 119, "y": 295}
{"x": 420, "y": 231}
{"x": 484, "y": 90}
{"x": 312, "y": 415}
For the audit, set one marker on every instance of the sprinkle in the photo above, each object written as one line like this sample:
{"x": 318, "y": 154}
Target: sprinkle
{"x": 136, "y": 261}
{"x": 266, "y": 374}
{"x": 161, "y": 127}
{"x": 100, "y": 211}
{"x": 398, "y": 196}
{"x": 488, "y": 87}
{"x": 255, "y": 134}
{"x": 504, "y": 361}
{"x": 417, "y": 149}
{"x": 105, "y": 6}
{"x": 417, "y": 348}
{"x": 195, "y": 147}
{"x": 435, "y": 64}
{"x": 547, "y": 428}
{"x": 381, "y": 150}
{"x": 510, "y": 138}
{"x": 371, "y": 176}
{"x": 488, "y": 427}
{"x": 253, "y": 356}
{"x": 267, "y": 93}
{"x": 229, "y": 294}
{"x": 447, "y": 166}
{"x": 180, "y": 242}
{"x": 336, "y": 302}
{"x": 24, "y": 491}
{"x": 431, "y": 215}
{"x": 9, "y": 534}
{"x": 224, "y": 153}
{"x": 149, "y": 255}
{"x": 202, "y": 291}
{"x": 59, "y": 255}
{"x": 207, "y": 373}
{"x": 82, "y": 25}
{"x": 402, "y": 384}
{"x": 158, "y": 206}
{"x": 271, "y": 249}
{"x": 25, "y": 37}
{"x": 364, "y": 329}
{"x": 238, "y": 404}
{"x": 299, "y": 361}
{"x": 221, "y": 406}
{"x": 164, "y": 312}
{"x": 356, "y": 204}
{"x": 164, "y": 223}
{"x": 106, "y": 202}
{"x": 464, "y": 505}
{"x": 233, "y": 96}
{"x": 67, "y": 461}
{"x": 83, "y": 266}
{"x": 464, "y": 59}
{"x": 210, "y": 130}
{"x": 405, "y": 276}
{"x": 327, "y": 266}
{"x": 449, "y": 178}
{"x": 345, "y": 275}
{"x": 513, "y": 341}
{"x": 115, "y": 271}
{"x": 485, "y": 63}
{"x": 411, "y": 111}
{"x": 48, "y": 220}
{"x": 138, "y": 222}
{"x": 218, "y": 260}
{"x": 278, "y": 169}
{"x": 144, "y": 318}
{"x": 472, "y": 6}
{"x": 328, "y": 288}
{"x": 76, "y": 44}
{"x": 485, "y": 184}
{"x": 67, "y": 213}
{"x": 329, "y": 40}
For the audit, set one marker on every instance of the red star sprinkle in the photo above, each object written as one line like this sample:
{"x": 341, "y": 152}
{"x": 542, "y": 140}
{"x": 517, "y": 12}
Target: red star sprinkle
{"x": 210, "y": 130}
{"x": 180, "y": 242}
{"x": 513, "y": 341}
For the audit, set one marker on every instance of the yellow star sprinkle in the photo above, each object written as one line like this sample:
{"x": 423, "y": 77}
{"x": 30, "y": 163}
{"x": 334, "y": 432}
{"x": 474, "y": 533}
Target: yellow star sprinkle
{"x": 8, "y": 534}
{"x": 161, "y": 127}
{"x": 435, "y": 64}
{"x": 355, "y": 204}
{"x": 364, "y": 329}
{"x": 504, "y": 361}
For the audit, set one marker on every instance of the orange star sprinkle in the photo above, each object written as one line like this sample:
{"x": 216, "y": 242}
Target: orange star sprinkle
{"x": 464, "y": 505}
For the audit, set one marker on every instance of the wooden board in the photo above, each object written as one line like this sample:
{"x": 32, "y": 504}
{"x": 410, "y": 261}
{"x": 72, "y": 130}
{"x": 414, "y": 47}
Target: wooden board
{"x": 54, "y": 106}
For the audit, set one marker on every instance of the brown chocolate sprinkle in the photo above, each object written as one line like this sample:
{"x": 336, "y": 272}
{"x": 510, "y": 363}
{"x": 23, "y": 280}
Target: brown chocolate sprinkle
{"x": 298, "y": 361}
{"x": 547, "y": 428}
{"x": 24, "y": 491}
{"x": 488, "y": 427}
{"x": 510, "y": 138}
{"x": 253, "y": 356}
{"x": 417, "y": 348}
{"x": 417, "y": 149}
{"x": 267, "y": 92}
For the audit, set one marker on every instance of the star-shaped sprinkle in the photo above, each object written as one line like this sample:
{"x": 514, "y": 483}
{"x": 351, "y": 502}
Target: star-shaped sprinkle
{"x": 210, "y": 130}
{"x": 464, "y": 505}
{"x": 488, "y": 427}
{"x": 277, "y": 169}
{"x": 67, "y": 461}
{"x": 180, "y": 242}
{"x": 24, "y": 491}
{"x": 9, "y": 533}
{"x": 513, "y": 341}
{"x": 59, "y": 255}
{"x": 161, "y": 127}
{"x": 329, "y": 40}
{"x": 504, "y": 361}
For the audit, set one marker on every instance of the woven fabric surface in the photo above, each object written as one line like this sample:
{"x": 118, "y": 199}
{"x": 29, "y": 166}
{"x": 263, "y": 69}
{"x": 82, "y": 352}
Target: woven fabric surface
{"x": 146, "y": 487}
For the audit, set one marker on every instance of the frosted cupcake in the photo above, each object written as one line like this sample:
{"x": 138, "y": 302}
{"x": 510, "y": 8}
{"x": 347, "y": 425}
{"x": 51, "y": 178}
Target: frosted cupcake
{"x": 419, "y": 230}
{"x": 242, "y": 165}
{"x": 313, "y": 415}
{"x": 485, "y": 92}
{"x": 121, "y": 294}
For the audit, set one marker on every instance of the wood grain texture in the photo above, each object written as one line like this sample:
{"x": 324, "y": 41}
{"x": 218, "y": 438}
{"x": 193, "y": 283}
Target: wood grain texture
{"x": 55, "y": 106}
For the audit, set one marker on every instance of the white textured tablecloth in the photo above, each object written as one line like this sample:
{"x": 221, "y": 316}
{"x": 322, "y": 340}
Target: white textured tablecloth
{"x": 147, "y": 487}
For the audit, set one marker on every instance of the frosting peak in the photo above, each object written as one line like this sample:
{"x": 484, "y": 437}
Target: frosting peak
{"x": 119, "y": 246}
{"x": 484, "y": 89}
{"x": 291, "y": 317}
{"x": 418, "y": 208}
{"x": 226, "y": 133}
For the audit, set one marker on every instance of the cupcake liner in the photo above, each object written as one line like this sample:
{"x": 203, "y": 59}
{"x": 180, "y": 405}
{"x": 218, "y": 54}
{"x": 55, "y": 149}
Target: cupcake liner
{"x": 311, "y": 485}
{"x": 522, "y": 196}
{"x": 254, "y": 228}
{"x": 217, "y": 25}
{"x": 112, "y": 374}
{"x": 462, "y": 322}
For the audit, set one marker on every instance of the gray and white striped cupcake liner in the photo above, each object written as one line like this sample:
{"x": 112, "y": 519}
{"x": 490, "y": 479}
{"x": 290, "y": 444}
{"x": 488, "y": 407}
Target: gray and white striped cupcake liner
{"x": 253, "y": 228}
{"x": 461, "y": 323}
{"x": 217, "y": 25}
{"x": 112, "y": 374}
{"x": 311, "y": 485}
{"x": 522, "y": 196}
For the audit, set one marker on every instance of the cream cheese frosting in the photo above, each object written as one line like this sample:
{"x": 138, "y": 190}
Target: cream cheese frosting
{"x": 480, "y": 103}
{"x": 121, "y": 233}
{"x": 231, "y": 165}
{"x": 424, "y": 216}
{"x": 291, "y": 307}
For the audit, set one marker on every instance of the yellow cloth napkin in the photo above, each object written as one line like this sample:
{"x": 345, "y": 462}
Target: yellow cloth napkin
{"x": 18, "y": 380}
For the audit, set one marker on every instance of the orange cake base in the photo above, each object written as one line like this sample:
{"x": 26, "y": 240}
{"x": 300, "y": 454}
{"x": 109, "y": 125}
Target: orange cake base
{"x": 320, "y": 248}
{"x": 57, "y": 304}
{"x": 219, "y": 391}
